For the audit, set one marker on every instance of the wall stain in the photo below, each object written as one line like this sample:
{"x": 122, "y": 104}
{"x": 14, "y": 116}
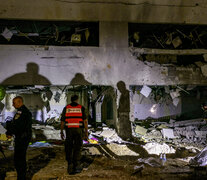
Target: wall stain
{"x": 3, "y": 11}
{"x": 109, "y": 66}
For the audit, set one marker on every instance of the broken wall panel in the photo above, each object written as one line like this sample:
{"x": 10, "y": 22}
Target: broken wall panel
{"x": 149, "y": 109}
{"x": 104, "y": 65}
{"x": 42, "y": 109}
{"x": 59, "y": 33}
{"x": 181, "y": 102}
{"x": 167, "y": 36}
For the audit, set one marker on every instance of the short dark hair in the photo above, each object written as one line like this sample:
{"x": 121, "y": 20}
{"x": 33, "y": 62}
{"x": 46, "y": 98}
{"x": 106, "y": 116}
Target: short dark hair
{"x": 74, "y": 98}
{"x": 19, "y": 97}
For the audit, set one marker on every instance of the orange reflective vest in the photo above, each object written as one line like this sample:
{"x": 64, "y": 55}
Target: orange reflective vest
{"x": 74, "y": 116}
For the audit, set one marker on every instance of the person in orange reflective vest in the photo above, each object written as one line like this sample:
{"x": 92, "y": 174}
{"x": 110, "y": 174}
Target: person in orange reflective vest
{"x": 75, "y": 123}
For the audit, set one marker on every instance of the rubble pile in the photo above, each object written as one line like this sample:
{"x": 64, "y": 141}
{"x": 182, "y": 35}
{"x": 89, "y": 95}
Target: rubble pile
{"x": 200, "y": 159}
{"x": 121, "y": 150}
{"x": 178, "y": 133}
{"x": 42, "y": 132}
{"x": 109, "y": 135}
{"x": 156, "y": 148}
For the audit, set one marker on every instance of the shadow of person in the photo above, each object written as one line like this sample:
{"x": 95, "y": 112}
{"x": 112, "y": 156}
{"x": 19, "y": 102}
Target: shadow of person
{"x": 124, "y": 124}
{"x": 42, "y": 159}
{"x": 79, "y": 79}
{"x": 30, "y": 77}
{"x": 1, "y": 107}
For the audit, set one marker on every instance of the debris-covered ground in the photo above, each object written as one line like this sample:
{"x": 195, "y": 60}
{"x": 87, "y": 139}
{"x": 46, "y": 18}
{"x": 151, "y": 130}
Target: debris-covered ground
{"x": 107, "y": 156}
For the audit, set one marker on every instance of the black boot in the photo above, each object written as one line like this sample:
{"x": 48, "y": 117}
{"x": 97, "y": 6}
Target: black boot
{"x": 70, "y": 169}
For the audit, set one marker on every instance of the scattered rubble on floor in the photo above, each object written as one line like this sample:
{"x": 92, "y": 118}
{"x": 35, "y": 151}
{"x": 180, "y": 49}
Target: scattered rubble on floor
{"x": 121, "y": 150}
{"x": 109, "y": 135}
{"x": 2, "y": 129}
{"x": 156, "y": 148}
{"x": 200, "y": 159}
{"x": 188, "y": 133}
{"x": 42, "y": 132}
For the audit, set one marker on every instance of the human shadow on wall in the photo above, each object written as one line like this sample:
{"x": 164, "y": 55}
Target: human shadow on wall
{"x": 124, "y": 124}
{"x": 1, "y": 107}
{"x": 30, "y": 77}
{"x": 79, "y": 79}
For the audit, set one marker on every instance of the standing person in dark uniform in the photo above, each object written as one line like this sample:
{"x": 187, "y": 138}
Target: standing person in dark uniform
{"x": 21, "y": 127}
{"x": 76, "y": 126}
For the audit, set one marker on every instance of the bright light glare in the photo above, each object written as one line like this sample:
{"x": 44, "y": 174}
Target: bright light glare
{"x": 153, "y": 109}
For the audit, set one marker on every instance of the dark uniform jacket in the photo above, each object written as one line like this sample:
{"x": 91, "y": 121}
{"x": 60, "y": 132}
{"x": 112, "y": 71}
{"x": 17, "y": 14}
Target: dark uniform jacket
{"x": 21, "y": 125}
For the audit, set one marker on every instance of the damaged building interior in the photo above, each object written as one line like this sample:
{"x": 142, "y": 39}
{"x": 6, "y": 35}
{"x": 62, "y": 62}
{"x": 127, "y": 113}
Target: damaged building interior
{"x": 139, "y": 67}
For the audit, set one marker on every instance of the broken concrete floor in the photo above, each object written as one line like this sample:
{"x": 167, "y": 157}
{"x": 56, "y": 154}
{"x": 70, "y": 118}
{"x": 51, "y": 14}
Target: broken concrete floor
{"x": 101, "y": 163}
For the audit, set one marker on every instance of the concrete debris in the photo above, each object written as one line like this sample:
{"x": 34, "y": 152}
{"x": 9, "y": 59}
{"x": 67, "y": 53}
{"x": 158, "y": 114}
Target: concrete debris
{"x": 90, "y": 151}
{"x": 195, "y": 122}
{"x": 151, "y": 161}
{"x": 140, "y": 130}
{"x": 176, "y": 101}
{"x": 48, "y": 131}
{"x": 175, "y": 94}
{"x": 2, "y": 129}
{"x": 121, "y": 150}
{"x": 190, "y": 87}
{"x": 204, "y": 70}
{"x": 205, "y": 57}
{"x": 109, "y": 135}
{"x": 180, "y": 134}
{"x": 199, "y": 63}
{"x": 168, "y": 133}
{"x": 154, "y": 134}
{"x": 162, "y": 126}
{"x": 200, "y": 159}
{"x": 192, "y": 148}
{"x": 156, "y": 148}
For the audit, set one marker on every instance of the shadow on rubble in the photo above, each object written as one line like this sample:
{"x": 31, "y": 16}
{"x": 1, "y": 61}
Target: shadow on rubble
{"x": 40, "y": 161}
{"x": 87, "y": 160}
{"x": 6, "y": 165}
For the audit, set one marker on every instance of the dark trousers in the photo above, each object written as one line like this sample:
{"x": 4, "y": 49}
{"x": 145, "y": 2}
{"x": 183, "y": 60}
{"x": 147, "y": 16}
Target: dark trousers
{"x": 20, "y": 164}
{"x": 73, "y": 146}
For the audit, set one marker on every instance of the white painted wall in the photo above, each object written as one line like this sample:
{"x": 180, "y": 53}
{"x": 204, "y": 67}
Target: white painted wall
{"x": 100, "y": 66}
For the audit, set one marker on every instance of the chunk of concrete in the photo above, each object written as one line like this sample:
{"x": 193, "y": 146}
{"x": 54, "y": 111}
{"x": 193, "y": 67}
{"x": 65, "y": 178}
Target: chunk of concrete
{"x": 2, "y": 129}
{"x": 140, "y": 130}
{"x": 204, "y": 70}
{"x": 168, "y": 133}
{"x": 176, "y": 101}
{"x": 200, "y": 159}
{"x": 201, "y": 134}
